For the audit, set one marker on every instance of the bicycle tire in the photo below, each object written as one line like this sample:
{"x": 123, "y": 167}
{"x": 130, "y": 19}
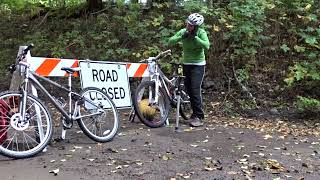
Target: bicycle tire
{"x": 109, "y": 116}
{"x": 158, "y": 120}
{"x": 185, "y": 109}
{"x": 29, "y": 145}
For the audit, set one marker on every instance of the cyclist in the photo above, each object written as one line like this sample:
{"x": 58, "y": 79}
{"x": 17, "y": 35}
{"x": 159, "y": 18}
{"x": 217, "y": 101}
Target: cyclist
{"x": 194, "y": 42}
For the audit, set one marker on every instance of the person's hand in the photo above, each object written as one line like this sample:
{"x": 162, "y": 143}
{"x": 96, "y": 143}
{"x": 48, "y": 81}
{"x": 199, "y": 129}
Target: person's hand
{"x": 185, "y": 35}
{"x": 192, "y": 35}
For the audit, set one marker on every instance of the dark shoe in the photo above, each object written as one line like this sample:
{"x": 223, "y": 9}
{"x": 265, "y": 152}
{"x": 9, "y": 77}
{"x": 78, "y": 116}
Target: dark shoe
{"x": 187, "y": 121}
{"x": 196, "y": 122}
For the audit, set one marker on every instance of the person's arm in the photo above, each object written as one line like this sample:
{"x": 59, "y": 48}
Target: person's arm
{"x": 203, "y": 40}
{"x": 176, "y": 38}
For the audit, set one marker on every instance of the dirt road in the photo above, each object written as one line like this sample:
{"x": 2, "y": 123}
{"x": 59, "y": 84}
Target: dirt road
{"x": 216, "y": 151}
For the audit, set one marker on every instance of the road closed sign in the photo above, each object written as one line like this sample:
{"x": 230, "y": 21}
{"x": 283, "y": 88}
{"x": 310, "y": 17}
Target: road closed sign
{"x": 111, "y": 78}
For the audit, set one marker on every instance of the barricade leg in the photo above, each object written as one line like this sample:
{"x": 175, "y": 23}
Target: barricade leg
{"x": 63, "y": 133}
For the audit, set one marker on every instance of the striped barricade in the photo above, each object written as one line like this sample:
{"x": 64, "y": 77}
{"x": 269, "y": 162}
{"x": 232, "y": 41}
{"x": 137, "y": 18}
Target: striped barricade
{"x": 51, "y": 67}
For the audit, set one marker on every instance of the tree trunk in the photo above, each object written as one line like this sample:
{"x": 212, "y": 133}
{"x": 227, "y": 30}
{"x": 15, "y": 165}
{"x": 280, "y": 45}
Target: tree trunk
{"x": 94, "y": 5}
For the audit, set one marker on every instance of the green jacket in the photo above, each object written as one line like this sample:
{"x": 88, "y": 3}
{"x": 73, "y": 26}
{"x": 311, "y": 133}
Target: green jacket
{"x": 193, "y": 49}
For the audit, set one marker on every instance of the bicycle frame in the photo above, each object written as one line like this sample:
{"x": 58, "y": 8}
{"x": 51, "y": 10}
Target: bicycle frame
{"x": 161, "y": 80}
{"x": 33, "y": 78}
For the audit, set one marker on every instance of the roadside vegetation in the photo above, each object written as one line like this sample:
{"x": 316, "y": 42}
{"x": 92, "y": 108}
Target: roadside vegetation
{"x": 264, "y": 53}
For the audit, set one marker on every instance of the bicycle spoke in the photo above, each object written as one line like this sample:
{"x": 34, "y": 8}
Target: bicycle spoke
{"x": 26, "y": 141}
{"x": 93, "y": 117}
{"x": 7, "y": 105}
{"x": 5, "y": 116}
{"x": 31, "y": 138}
{"x": 5, "y": 133}
{"x": 92, "y": 121}
{"x": 17, "y": 142}
{"x": 11, "y": 139}
{"x": 30, "y": 106}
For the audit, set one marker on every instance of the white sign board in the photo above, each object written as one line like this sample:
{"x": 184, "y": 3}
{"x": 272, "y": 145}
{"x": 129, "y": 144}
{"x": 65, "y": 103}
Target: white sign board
{"x": 111, "y": 78}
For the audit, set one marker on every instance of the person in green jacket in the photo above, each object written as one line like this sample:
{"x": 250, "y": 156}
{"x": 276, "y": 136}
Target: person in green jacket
{"x": 194, "y": 43}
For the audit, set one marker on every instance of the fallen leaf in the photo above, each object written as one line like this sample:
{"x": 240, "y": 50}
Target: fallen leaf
{"x": 209, "y": 168}
{"x": 274, "y": 165}
{"x": 267, "y": 136}
{"x": 232, "y": 173}
{"x": 187, "y": 130}
{"x": 112, "y": 150}
{"x": 261, "y": 154}
{"x": 186, "y": 176}
{"x": 55, "y": 171}
{"x": 165, "y": 157}
{"x": 244, "y": 167}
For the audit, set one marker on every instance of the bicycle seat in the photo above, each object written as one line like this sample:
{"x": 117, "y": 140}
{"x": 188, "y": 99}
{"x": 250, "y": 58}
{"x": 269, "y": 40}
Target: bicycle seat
{"x": 70, "y": 70}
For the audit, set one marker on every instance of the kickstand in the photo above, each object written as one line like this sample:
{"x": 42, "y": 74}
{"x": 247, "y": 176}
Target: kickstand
{"x": 132, "y": 115}
{"x": 63, "y": 133}
{"x": 177, "y": 127}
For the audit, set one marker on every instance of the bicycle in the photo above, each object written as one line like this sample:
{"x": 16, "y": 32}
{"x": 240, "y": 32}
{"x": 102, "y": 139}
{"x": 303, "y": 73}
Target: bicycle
{"x": 160, "y": 93}
{"x": 29, "y": 125}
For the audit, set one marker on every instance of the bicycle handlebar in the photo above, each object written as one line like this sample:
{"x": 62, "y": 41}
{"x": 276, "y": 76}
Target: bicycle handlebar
{"x": 164, "y": 54}
{"x": 160, "y": 55}
{"x": 20, "y": 58}
{"x": 25, "y": 51}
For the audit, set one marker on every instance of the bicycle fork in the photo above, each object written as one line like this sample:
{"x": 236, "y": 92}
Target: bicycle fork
{"x": 154, "y": 96}
{"x": 24, "y": 119}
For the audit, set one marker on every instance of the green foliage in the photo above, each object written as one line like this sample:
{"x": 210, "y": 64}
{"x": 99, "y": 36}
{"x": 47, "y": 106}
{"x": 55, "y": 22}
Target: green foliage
{"x": 242, "y": 75}
{"x": 245, "y": 21}
{"x": 308, "y": 104}
{"x": 243, "y": 32}
{"x": 304, "y": 71}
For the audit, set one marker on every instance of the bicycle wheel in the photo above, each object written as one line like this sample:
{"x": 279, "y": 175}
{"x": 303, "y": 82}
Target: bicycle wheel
{"x": 185, "y": 106}
{"x": 23, "y": 137}
{"x": 99, "y": 116}
{"x": 151, "y": 114}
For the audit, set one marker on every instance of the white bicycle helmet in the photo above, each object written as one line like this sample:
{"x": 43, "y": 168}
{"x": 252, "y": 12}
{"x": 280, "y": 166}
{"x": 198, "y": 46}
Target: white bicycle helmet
{"x": 195, "y": 19}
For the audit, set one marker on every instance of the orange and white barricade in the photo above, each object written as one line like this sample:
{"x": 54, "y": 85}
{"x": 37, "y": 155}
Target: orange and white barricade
{"x": 51, "y": 67}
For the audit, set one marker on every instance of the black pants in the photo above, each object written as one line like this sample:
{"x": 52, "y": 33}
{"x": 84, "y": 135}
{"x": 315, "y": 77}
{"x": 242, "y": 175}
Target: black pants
{"x": 193, "y": 81}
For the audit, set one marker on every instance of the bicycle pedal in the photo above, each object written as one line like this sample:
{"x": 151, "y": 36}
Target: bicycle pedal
{"x": 66, "y": 125}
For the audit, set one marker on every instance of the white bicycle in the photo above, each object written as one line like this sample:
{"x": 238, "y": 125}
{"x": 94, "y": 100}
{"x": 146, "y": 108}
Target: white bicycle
{"x": 160, "y": 93}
